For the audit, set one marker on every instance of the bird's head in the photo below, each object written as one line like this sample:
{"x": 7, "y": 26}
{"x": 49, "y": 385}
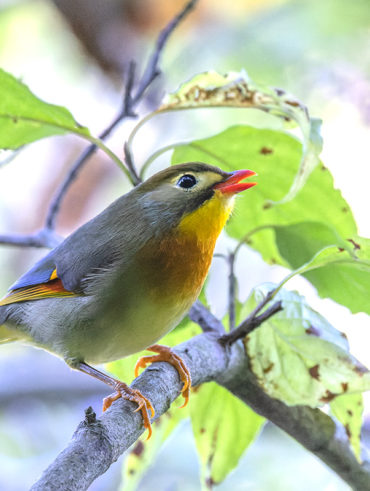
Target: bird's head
{"x": 192, "y": 195}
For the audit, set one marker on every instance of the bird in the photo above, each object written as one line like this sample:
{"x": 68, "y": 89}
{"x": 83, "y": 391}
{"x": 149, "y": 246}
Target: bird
{"x": 128, "y": 276}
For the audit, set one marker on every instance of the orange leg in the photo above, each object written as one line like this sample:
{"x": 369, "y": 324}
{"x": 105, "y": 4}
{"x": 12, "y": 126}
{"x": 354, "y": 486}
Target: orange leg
{"x": 124, "y": 391}
{"x": 166, "y": 354}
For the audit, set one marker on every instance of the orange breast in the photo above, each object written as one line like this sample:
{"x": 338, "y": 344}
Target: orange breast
{"x": 175, "y": 267}
{"x": 179, "y": 263}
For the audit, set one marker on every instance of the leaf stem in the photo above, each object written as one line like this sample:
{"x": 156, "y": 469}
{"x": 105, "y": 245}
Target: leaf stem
{"x": 157, "y": 154}
{"x": 100, "y": 144}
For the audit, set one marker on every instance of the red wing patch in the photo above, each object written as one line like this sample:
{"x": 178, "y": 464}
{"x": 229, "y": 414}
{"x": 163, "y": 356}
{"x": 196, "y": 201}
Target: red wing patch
{"x": 51, "y": 289}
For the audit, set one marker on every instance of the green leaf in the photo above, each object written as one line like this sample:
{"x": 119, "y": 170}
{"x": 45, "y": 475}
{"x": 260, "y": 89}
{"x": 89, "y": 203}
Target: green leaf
{"x": 144, "y": 452}
{"x": 273, "y": 155}
{"x": 348, "y": 409}
{"x": 211, "y": 89}
{"x": 340, "y": 271}
{"x": 223, "y": 428}
{"x": 298, "y": 357}
{"x": 25, "y": 118}
{"x": 298, "y": 243}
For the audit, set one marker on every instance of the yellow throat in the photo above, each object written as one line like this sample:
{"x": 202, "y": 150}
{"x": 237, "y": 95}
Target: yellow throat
{"x": 207, "y": 221}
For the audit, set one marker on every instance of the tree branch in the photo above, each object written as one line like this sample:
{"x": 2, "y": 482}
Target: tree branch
{"x": 203, "y": 317}
{"x": 42, "y": 238}
{"x": 96, "y": 444}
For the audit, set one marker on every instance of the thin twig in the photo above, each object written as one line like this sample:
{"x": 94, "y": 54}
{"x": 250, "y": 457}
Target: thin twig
{"x": 205, "y": 319}
{"x": 56, "y": 201}
{"x": 262, "y": 304}
{"x": 43, "y": 238}
{"x": 130, "y": 165}
{"x": 127, "y": 101}
{"x": 152, "y": 70}
{"x": 249, "y": 324}
{"x": 232, "y": 288}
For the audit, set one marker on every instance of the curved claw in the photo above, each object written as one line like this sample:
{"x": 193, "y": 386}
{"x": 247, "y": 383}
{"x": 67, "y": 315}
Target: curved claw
{"x": 143, "y": 362}
{"x": 122, "y": 390}
{"x": 166, "y": 354}
{"x": 133, "y": 395}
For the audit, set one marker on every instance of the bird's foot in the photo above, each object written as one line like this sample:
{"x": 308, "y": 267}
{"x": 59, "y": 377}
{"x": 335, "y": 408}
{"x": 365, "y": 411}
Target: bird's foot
{"x": 165, "y": 353}
{"x": 133, "y": 395}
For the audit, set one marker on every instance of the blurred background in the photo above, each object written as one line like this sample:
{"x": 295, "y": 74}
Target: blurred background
{"x": 75, "y": 53}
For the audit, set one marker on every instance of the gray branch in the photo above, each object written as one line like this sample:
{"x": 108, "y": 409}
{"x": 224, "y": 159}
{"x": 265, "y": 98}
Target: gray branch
{"x": 42, "y": 238}
{"x": 97, "y": 443}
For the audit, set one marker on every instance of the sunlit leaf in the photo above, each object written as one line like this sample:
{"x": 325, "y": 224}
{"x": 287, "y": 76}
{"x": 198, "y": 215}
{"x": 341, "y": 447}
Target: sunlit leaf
{"x": 298, "y": 243}
{"x": 144, "y": 452}
{"x": 348, "y": 410}
{"x": 298, "y": 357}
{"x": 25, "y": 118}
{"x": 211, "y": 89}
{"x": 340, "y": 271}
{"x": 223, "y": 427}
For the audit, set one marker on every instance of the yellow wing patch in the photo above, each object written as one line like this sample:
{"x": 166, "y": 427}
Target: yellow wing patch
{"x": 52, "y": 289}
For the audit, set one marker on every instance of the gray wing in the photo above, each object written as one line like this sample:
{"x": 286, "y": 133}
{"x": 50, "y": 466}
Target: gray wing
{"x": 110, "y": 237}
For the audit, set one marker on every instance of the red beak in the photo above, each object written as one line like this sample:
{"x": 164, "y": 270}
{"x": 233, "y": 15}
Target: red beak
{"x": 233, "y": 185}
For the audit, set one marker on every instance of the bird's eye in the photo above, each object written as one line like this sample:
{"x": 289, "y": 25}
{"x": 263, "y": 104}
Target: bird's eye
{"x": 186, "y": 181}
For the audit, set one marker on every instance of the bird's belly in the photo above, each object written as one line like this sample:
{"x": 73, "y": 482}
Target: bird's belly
{"x": 128, "y": 328}
{"x": 155, "y": 295}
{"x": 133, "y": 331}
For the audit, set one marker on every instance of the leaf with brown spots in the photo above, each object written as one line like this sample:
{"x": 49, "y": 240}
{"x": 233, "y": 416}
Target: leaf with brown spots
{"x": 292, "y": 364}
{"x": 144, "y": 451}
{"x": 266, "y": 150}
{"x": 24, "y": 118}
{"x": 313, "y": 331}
{"x": 211, "y": 89}
{"x": 223, "y": 428}
{"x": 348, "y": 409}
{"x": 314, "y": 372}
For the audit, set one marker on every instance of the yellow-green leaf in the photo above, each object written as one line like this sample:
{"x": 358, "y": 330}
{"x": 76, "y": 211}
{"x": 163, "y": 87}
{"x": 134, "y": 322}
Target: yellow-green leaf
{"x": 340, "y": 271}
{"x": 25, "y": 118}
{"x": 223, "y": 428}
{"x": 348, "y": 409}
{"x": 298, "y": 357}
{"x": 145, "y": 451}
